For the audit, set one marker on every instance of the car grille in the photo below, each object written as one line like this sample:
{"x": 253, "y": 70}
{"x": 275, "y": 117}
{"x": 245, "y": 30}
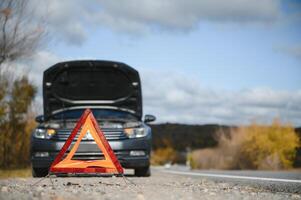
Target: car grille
{"x": 110, "y": 134}
{"x": 96, "y": 155}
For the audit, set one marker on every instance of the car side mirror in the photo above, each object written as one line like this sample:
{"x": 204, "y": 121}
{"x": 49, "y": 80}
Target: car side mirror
{"x": 40, "y": 118}
{"x": 149, "y": 118}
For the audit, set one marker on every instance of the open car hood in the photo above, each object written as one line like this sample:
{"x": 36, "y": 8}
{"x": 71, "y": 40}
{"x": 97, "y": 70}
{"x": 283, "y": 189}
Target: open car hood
{"x": 91, "y": 84}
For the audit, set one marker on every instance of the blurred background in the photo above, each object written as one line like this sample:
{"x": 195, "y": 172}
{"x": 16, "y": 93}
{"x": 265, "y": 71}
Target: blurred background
{"x": 222, "y": 77}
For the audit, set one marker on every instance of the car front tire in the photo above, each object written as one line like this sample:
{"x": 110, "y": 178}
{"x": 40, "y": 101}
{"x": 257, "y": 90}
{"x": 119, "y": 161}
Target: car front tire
{"x": 39, "y": 172}
{"x": 143, "y": 172}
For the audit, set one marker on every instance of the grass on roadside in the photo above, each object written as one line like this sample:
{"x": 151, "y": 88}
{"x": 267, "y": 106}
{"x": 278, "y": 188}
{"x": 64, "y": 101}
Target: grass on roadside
{"x": 263, "y": 147}
{"x": 15, "y": 173}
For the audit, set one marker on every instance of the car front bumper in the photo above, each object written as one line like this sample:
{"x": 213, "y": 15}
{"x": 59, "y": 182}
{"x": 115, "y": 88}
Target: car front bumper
{"x": 88, "y": 150}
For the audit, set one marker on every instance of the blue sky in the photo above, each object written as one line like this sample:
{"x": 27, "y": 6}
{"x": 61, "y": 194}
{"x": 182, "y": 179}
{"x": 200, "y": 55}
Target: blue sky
{"x": 218, "y": 54}
{"x": 233, "y": 58}
{"x": 238, "y": 60}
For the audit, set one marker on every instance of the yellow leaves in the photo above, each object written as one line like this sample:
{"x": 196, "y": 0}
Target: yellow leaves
{"x": 264, "y": 144}
{"x": 22, "y": 95}
{"x": 252, "y": 147}
{"x": 16, "y": 123}
{"x": 163, "y": 155}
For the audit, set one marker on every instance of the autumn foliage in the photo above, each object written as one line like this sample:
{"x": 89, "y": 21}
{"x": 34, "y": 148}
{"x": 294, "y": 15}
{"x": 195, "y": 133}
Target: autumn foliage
{"x": 164, "y": 155}
{"x": 20, "y": 36}
{"x": 16, "y": 121}
{"x": 251, "y": 147}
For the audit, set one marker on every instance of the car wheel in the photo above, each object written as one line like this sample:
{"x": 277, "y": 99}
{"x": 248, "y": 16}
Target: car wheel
{"x": 39, "y": 172}
{"x": 143, "y": 172}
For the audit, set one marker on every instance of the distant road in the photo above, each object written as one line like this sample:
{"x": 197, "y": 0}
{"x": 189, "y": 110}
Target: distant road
{"x": 277, "y": 181}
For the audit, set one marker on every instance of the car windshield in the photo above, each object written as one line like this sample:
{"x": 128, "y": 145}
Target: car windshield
{"x": 98, "y": 114}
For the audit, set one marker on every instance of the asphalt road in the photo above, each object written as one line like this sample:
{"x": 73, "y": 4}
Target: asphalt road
{"x": 172, "y": 183}
{"x": 275, "y": 181}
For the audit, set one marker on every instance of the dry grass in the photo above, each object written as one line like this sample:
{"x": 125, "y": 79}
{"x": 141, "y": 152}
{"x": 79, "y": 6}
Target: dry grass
{"x": 15, "y": 173}
{"x": 162, "y": 156}
{"x": 255, "y": 146}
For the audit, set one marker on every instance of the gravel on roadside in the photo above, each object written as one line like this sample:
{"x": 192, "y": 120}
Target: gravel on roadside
{"x": 159, "y": 186}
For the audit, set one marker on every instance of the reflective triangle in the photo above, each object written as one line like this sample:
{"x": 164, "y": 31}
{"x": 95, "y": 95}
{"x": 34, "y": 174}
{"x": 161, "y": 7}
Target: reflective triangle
{"x": 109, "y": 164}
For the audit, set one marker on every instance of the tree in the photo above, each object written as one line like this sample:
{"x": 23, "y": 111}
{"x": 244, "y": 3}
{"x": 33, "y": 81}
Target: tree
{"x": 269, "y": 147}
{"x": 21, "y": 34}
{"x": 15, "y": 136}
{"x": 20, "y": 31}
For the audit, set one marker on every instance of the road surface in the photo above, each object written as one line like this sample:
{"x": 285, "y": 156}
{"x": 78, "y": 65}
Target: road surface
{"x": 171, "y": 183}
{"x": 276, "y": 181}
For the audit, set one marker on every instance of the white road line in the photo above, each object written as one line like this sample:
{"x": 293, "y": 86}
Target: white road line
{"x": 232, "y": 176}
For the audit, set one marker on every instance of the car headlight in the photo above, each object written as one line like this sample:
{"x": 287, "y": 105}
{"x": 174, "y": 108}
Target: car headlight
{"x": 42, "y": 133}
{"x": 135, "y": 132}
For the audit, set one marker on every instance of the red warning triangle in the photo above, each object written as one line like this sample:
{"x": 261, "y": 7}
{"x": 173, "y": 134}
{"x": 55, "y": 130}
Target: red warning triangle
{"x": 109, "y": 164}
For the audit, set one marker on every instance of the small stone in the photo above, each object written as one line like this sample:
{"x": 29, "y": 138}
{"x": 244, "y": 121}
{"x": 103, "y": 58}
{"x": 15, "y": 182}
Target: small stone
{"x": 296, "y": 196}
{"x": 58, "y": 198}
{"x": 4, "y": 189}
{"x": 140, "y": 197}
{"x": 69, "y": 184}
{"x": 39, "y": 188}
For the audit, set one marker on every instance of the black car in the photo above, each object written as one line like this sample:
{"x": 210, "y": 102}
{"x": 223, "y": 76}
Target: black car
{"x": 112, "y": 90}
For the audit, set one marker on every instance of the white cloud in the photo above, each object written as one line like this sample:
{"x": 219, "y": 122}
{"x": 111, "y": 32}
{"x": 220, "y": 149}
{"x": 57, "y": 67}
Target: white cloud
{"x": 64, "y": 20}
{"x": 292, "y": 50}
{"x": 177, "y": 98}
{"x": 183, "y": 14}
{"x": 70, "y": 20}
